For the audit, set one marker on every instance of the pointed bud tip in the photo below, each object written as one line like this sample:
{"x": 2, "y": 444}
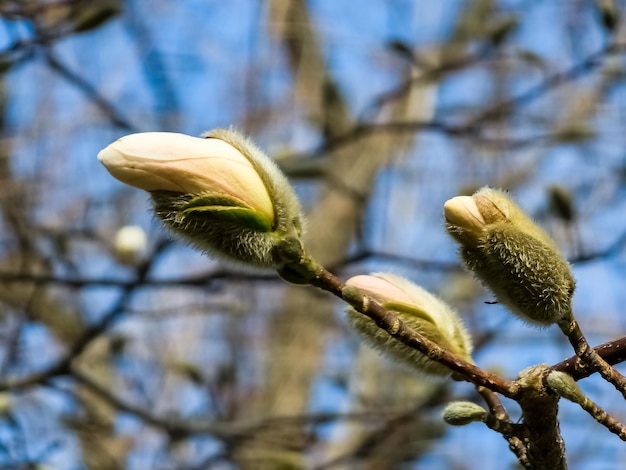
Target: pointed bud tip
{"x": 511, "y": 255}
{"x": 168, "y": 161}
{"x": 220, "y": 192}
{"x": 493, "y": 205}
{"x": 462, "y": 211}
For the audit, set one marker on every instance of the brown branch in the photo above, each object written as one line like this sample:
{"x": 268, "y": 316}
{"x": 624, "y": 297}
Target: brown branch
{"x": 314, "y": 85}
{"x": 202, "y": 280}
{"x": 205, "y": 279}
{"x": 589, "y": 356}
{"x": 296, "y": 266}
{"x": 472, "y": 128}
{"x": 613, "y": 352}
{"x": 581, "y": 68}
{"x": 604, "y": 418}
{"x": 493, "y": 402}
{"x": 544, "y": 444}
{"x": 500, "y": 422}
{"x": 178, "y": 428}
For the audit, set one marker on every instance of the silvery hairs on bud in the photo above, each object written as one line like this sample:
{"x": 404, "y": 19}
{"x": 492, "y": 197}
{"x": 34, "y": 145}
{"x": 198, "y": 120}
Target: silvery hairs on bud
{"x": 419, "y": 310}
{"x": 241, "y": 239}
{"x": 514, "y": 258}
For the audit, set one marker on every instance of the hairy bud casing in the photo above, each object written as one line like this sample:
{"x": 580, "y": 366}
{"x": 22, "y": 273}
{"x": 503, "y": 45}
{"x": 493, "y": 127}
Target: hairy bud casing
{"x": 220, "y": 192}
{"x": 511, "y": 256}
{"x": 419, "y": 310}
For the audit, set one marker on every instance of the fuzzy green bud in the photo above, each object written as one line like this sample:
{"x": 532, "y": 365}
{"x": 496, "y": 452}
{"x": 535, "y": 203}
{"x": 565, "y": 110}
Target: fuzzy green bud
{"x": 220, "y": 192}
{"x": 511, "y": 255}
{"x": 419, "y": 310}
{"x": 565, "y": 386}
{"x": 460, "y": 413}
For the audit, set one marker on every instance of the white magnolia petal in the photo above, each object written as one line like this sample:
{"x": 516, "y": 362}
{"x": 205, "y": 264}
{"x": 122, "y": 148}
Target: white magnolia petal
{"x": 463, "y": 212}
{"x": 381, "y": 289}
{"x": 163, "y": 161}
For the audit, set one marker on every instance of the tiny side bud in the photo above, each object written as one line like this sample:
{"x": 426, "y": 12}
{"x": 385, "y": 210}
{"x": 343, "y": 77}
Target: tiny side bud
{"x": 460, "y": 413}
{"x": 565, "y": 386}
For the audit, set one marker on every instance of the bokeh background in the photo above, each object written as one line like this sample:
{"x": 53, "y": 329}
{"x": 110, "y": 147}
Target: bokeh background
{"x": 157, "y": 357}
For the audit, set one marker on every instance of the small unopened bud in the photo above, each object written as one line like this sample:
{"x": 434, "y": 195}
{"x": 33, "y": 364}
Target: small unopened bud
{"x": 220, "y": 192}
{"x": 609, "y": 13}
{"x": 565, "y": 386}
{"x": 561, "y": 203}
{"x": 460, "y": 413}
{"x": 6, "y": 404}
{"x": 511, "y": 255}
{"x": 419, "y": 310}
{"x": 130, "y": 244}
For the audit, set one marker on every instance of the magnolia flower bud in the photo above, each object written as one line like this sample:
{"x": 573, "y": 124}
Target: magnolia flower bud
{"x": 460, "y": 413}
{"x": 512, "y": 256}
{"x": 419, "y": 310}
{"x": 130, "y": 244}
{"x": 565, "y": 386}
{"x": 220, "y": 192}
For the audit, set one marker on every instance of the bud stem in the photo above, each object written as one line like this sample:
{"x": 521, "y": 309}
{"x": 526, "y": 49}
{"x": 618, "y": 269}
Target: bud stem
{"x": 500, "y": 422}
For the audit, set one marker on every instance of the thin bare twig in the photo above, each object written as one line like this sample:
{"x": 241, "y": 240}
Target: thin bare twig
{"x": 90, "y": 91}
{"x": 589, "y": 356}
{"x": 63, "y": 365}
{"x": 604, "y": 418}
{"x": 178, "y": 428}
{"x": 500, "y": 422}
{"x": 613, "y": 352}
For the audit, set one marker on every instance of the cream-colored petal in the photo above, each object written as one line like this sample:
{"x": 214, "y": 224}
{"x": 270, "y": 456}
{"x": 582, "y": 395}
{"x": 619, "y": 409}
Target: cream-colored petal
{"x": 380, "y": 288}
{"x": 162, "y": 161}
{"x": 463, "y": 212}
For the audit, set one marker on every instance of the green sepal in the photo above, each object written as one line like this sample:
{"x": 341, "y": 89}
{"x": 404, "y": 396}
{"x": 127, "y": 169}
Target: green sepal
{"x": 214, "y": 200}
{"x": 224, "y": 209}
{"x": 411, "y": 310}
